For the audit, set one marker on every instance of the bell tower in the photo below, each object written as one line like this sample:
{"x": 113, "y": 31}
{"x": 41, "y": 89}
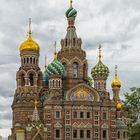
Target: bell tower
{"x": 29, "y": 82}
{"x": 71, "y": 55}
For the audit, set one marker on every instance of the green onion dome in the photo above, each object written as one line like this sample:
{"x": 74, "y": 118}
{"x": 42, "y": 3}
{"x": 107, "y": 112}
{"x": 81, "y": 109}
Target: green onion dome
{"x": 55, "y": 68}
{"x": 100, "y": 71}
{"x": 71, "y": 12}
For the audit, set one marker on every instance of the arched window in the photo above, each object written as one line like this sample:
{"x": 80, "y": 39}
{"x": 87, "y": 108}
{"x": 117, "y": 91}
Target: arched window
{"x": 84, "y": 71}
{"x": 31, "y": 60}
{"x": 66, "y": 42}
{"x": 34, "y": 60}
{"x": 59, "y": 84}
{"x": 31, "y": 79}
{"x": 27, "y": 60}
{"x": 75, "y": 70}
{"x": 65, "y": 72}
{"x": 22, "y": 80}
{"x": 74, "y": 42}
{"x": 99, "y": 85}
{"x": 118, "y": 134}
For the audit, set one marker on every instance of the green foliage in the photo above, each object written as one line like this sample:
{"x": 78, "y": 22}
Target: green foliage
{"x": 131, "y": 106}
{"x": 89, "y": 81}
{"x": 135, "y": 132}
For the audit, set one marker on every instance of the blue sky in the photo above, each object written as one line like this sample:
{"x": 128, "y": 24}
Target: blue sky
{"x": 113, "y": 23}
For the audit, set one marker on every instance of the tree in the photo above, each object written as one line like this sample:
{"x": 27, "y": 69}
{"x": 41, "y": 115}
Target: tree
{"x": 131, "y": 105}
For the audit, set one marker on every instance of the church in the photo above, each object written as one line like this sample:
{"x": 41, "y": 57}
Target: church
{"x": 62, "y": 103}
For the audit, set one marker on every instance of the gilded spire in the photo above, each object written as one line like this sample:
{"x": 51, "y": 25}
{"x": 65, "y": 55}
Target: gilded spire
{"x": 35, "y": 103}
{"x": 100, "y": 52}
{"x": 35, "y": 116}
{"x": 71, "y": 3}
{"x": 116, "y": 84}
{"x": 55, "y": 53}
{"x": 30, "y": 30}
{"x": 116, "y": 72}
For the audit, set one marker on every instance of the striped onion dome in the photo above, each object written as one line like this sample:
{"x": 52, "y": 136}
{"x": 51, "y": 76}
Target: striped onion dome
{"x": 71, "y": 12}
{"x": 54, "y": 68}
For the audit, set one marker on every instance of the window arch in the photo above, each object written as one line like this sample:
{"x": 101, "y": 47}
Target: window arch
{"x": 65, "y": 72}
{"x": 31, "y": 79}
{"x": 75, "y": 70}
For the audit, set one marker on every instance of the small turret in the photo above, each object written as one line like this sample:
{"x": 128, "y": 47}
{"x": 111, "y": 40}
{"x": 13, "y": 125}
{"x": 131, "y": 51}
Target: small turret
{"x": 100, "y": 74}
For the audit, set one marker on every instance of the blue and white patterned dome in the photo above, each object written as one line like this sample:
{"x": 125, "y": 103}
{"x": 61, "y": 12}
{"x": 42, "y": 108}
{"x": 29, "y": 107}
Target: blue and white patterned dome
{"x": 54, "y": 68}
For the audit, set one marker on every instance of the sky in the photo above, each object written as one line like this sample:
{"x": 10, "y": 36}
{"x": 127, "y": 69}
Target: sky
{"x": 113, "y": 23}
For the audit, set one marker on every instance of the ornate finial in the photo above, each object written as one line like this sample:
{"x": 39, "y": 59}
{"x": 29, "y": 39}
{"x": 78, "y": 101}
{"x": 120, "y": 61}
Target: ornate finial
{"x": 55, "y": 53}
{"x": 100, "y": 52}
{"x": 30, "y": 30}
{"x": 116, "y": 72}
{"x": 71, "y": 3}
{"x": 35, "y": 103}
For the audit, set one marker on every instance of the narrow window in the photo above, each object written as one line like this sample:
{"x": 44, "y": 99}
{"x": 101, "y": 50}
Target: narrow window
{"x": 84, "y": 71}
{"x": 75, "y": 70}
{"x": 118, "y": 134}
{"x": 57, "y": 114}
{"x": 88, "y": 114}
{"x": 124, "y": 135}
{"x": 104, "y": 115}
{"x": 31, "y": 82}
{"x": 81, "y": 133}
{"x": 75, "y": 114}
{"x": 57, "y": 133}
{"x": 31, "y": 60}
{"x": 104, "y": 134}
{"x": 74, "y": 133}
{"x": 74, "y": 42}
{"x": 88, "y": 133}
{"x": 81, "y": 114}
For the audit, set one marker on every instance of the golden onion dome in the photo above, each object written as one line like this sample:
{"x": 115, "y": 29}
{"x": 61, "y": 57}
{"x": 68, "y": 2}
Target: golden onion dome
{"x": 29, "y": 44}
{"x": 116, "y": 84}
{"x": 118, "y": 106}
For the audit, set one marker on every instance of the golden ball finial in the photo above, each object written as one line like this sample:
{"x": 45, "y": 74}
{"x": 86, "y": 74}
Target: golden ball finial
{"x": 116, "y": 84}
{"x": 118, "y": 106}
{"x": 29, "y": 44}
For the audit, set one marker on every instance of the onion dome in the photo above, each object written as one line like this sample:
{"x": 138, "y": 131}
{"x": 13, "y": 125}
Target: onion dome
{"x": 100, "y": 71}
{"x": 116, "y": 84}
{"x": 118, "y": 106}
{"x": 29, "y": 44}
{"x": 71, "y": 12}
{"x": 54, "y": 68}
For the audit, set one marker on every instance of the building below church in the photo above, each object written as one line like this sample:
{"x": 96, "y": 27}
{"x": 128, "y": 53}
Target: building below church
{"x": 61, "y": 103}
